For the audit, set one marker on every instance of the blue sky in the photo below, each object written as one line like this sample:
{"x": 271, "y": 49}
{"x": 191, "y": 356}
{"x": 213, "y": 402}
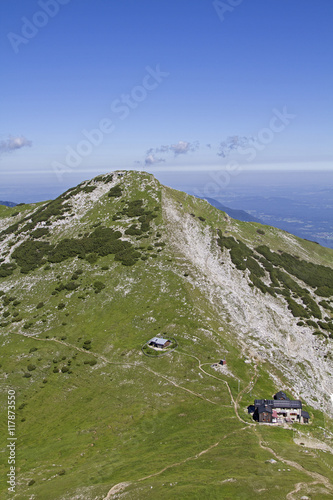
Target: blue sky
{"x": 91, "y": 86}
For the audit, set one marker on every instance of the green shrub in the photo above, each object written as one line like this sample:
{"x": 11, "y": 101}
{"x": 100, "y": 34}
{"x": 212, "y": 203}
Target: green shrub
{"x": 309, "y": 322}
{"x": 318, "y": 332}
{"x": 27, "y": 375}
{"x": 101, "y": 242}
{"x": 71, "y": 286}
{"x": 254, "y": 267}
{"x": 323, "y": 325}
{"x": 92, "y": 258}
{"x": 31, "y": 367}
{"x": 91, "y": 362}
{"x": 61, "y": 306}
{"x": 133, "y": 230}
{"x": 115, "y": 192}
{"x": 259, "y": 284}
{"x": 314, "y": 275}
{"x": 135, "y": 208}
{"x": 326, "y": 305}
{"x": 312, "y": 306}
{"x": 64, "y": 369}
{"x": 40, "y": 305}
{"x": 296, "y": 309}
{"x": 324, "y": 291}
{"x": 88, "y": 189}
{"x": 98, "y": 286}
{"x": 41, "y": 231}
{"x": 6, "y": 269}
{"x": 29, "y": 255}
{"x": 87, "y": 345}
{"x": 8, "y": 300}
{"x": 107, "y": 178}
{"x": 17, "y": 319}
{"x": 145, "y": 227}
{"x": 33, "y": 349}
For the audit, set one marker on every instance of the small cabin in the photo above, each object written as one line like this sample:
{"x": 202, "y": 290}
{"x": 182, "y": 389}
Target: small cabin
{"x": 222, "y": 362}
{"x": 159, "y": 342}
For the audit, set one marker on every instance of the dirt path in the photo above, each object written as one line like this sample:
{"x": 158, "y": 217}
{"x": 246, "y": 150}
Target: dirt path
{"x": 298, "y": 487}
{"x": 180, "y": 463}
{"x": 318, "y": 478}
{"x": 120, "y": 486}
{"x": 125, "y": 364}
{"x": 233, "y": 401}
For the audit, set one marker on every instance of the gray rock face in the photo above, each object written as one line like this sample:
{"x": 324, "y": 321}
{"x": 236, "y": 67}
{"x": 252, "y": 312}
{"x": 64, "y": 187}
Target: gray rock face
{"x": 262, "y": 324}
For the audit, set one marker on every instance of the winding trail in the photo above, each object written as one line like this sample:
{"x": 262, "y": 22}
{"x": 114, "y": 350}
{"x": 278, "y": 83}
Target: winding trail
{"x": 124, "y": 364}
{"x": 233, "y": 401}
{"x": 319, "y": 478}
{"x": 118, "y": 488}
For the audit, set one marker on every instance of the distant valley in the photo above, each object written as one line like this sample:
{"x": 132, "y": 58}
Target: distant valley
{"x": 300, "y": 202}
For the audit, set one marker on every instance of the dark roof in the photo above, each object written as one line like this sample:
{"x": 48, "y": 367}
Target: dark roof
{"x": 158, "y": 340}
{"x": 305, "y": 414}
{"x": 281, "y": 395}
{"x": 287, "y": 404}
{"x": 264, "y": 409}
{"x": 278, "y": 403}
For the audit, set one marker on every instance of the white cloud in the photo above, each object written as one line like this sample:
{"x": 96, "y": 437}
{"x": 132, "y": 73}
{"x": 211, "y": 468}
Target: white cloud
{"x": 152, "y": 160}
{"x": 180, "y": 148}
{"x": 233, "y": 143}
{"x": 13, "y": 143}
{"x": 183, "y": 147}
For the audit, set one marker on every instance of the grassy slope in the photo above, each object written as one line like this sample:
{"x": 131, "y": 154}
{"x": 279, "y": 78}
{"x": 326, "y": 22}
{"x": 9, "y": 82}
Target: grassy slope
{"x": 124, "y": 418}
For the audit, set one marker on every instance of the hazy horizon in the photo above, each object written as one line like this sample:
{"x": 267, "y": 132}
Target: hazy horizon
{"x": 162, "y": 86}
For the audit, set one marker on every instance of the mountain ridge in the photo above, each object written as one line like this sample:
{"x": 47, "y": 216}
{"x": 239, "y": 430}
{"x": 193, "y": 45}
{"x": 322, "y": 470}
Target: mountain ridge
{"x": 232, "y": 212}
{"x": 8, "y": 203}
{"x": 116, "y": 261}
